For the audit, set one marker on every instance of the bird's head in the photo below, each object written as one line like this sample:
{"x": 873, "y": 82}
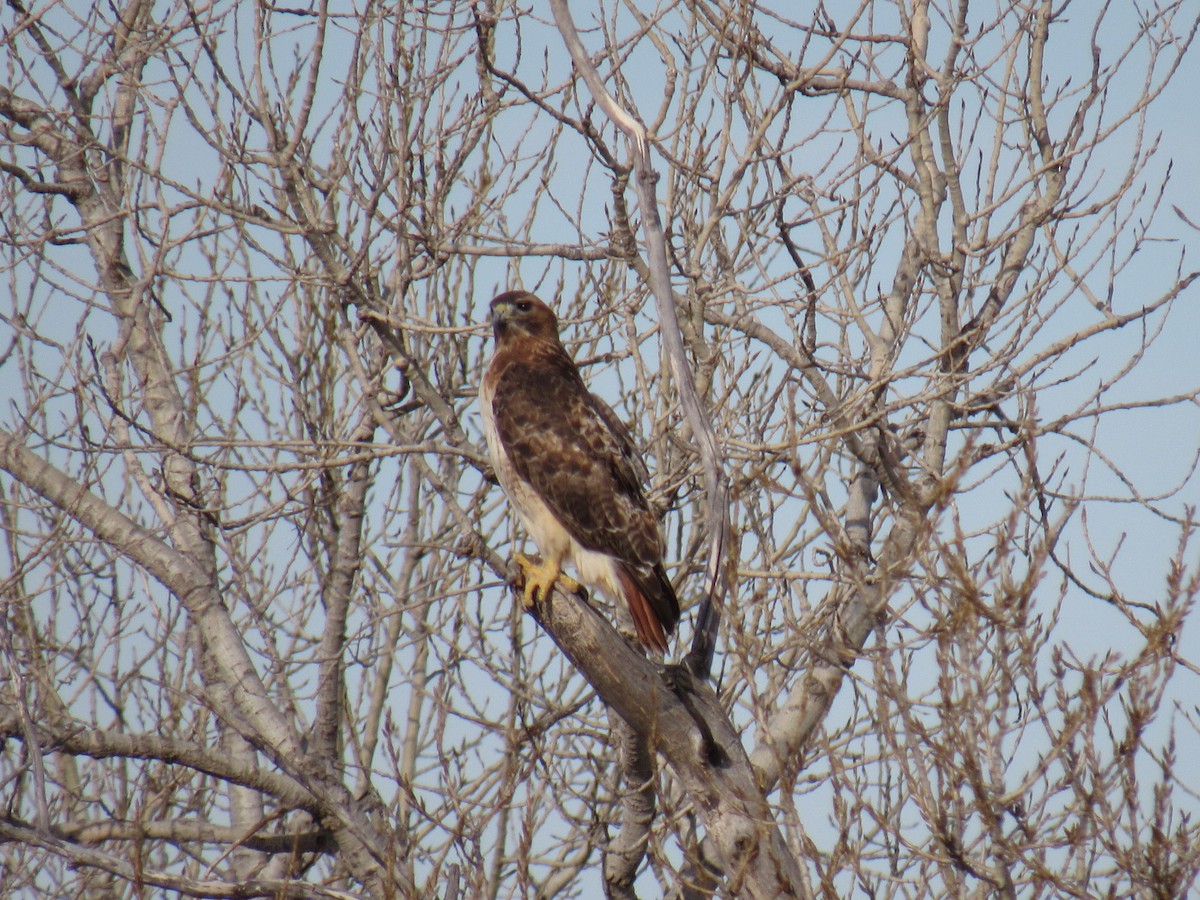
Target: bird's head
{"x": 520, "y": 314}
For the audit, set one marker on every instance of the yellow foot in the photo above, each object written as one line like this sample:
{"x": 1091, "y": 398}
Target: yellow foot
{"x": 540, "y": 579}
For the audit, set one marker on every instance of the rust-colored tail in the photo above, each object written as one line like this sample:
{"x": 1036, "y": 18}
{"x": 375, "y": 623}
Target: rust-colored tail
{"x": 652, "y": 603}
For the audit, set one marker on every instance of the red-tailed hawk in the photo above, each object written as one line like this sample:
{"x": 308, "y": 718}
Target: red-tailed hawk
{"x": 571, "y": 471}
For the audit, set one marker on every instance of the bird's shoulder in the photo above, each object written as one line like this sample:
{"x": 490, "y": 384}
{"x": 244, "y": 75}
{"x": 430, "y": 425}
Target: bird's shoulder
{"x": 538, "y": 376}
{"x": 541, "y": 405}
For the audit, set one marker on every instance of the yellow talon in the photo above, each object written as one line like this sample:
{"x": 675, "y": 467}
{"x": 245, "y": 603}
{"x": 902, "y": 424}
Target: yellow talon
{"x": 540, "y": 579}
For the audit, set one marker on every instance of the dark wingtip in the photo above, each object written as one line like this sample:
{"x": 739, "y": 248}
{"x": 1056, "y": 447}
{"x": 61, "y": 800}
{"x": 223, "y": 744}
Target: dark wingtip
{"x": 667, "y": 603}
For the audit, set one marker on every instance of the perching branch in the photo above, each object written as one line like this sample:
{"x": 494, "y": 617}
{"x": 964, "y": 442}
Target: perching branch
{"x": 681, "y": 719}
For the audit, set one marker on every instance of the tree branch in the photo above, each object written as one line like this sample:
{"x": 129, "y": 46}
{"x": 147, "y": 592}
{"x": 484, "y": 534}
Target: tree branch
{"x": 14, "y": 830}
{"x": 681, "y": 719}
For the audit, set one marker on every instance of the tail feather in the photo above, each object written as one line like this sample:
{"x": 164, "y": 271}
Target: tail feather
{"x": 652, "y": 604}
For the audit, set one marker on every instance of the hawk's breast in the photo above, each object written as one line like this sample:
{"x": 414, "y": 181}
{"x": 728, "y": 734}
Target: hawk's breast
{"x": 543, "y": 525}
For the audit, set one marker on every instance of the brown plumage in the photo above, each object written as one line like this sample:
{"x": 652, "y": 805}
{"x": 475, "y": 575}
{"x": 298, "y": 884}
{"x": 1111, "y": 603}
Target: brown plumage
{"x": 571, "y": 470}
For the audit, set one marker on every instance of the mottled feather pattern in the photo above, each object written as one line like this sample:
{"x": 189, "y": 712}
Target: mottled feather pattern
{"x": 560, "y": 444}
{"x": 570, "y": 466}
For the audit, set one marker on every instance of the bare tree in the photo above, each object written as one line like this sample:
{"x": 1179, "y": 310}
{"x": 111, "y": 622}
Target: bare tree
{"x": 894, "y": 299}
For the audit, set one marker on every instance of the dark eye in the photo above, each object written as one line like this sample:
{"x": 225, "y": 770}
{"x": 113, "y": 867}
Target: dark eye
{"x": 524, "y": 305}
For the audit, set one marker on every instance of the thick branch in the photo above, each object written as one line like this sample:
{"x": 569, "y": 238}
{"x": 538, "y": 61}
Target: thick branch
{"x": 13, "y": 830}
{"x": 682, "y": 720}
{"x": 347, "y": 557}
{"x": 69, "y": 738}
{"x": 626, "y": 850}
{"x": 178, "y": 831}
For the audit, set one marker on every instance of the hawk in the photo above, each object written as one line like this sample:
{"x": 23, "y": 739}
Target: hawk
{"x": 571, "y": 471}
